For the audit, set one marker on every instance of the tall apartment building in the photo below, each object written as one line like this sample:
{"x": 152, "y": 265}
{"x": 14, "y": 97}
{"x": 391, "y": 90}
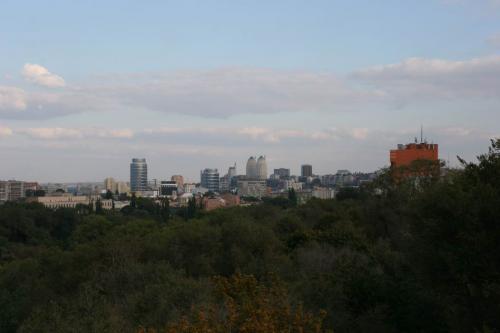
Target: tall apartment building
{"x": 257, "y": 169}
{"x": 138, "y": 175}
{"x": 210, "y": 179}
{"x": 261, "y": 168}
{"x": 4, "y": 191}
{"x": 13, "y": 190}
{"x": 306, "y": 170}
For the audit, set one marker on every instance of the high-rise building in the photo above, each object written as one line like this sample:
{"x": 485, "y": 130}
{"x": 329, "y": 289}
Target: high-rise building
{"x": 210, "y": 179}
{"x": 261, "y": 168}
{"x": 282, "y": 173}
{"x": 138, "y": 175}
{"x": 231, "y": 173}
{"x": 251, "y": 168}
{"x": 110, "y": 184}
{"x": 306, "y": 170}
{"x": 224, "y": 184}
{"x": 179, "y": 180}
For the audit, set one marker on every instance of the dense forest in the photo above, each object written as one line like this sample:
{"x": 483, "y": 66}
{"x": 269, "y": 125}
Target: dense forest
{"x": 420, "y": 255}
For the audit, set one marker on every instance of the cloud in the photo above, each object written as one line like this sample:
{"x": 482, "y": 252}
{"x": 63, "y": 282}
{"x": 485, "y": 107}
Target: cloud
{"x": 12, "y": 99}
{"x": 5, "y": 131}
{"x": 419, "y": 79}
{"x": 218, "y": 93}
{"x": 224, "y": 93}
{"x": 494, "y": 40}
{"x": 60, "y": 133}
{"x": 52, "y": 133}
{"x": 41, "y": 76}
{"x": 227, "y": 92}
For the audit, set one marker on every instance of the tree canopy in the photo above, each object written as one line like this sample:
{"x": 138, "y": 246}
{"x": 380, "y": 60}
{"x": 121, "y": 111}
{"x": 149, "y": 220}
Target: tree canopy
{"x": 391, "y": 256}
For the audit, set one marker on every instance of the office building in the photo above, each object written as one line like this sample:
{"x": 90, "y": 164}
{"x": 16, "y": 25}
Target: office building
{"x": 224, "y": 184}
{"x": 138, "y": 175}
{"x": 252, "y": 188}
{"x": 168, "y": 187}
{"x": 210, "y": 179}
{"x": 282, "y": 173}
{"x": 405, "y": 155}
{"x": 231, "y": 172}
{"x": 306, "y": 170}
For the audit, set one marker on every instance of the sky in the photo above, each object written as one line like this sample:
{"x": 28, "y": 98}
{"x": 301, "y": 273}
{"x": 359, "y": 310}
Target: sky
{"x": 86, "y": 86}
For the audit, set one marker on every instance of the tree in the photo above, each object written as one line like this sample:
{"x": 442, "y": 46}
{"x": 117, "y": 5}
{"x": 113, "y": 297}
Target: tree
{"x": 292, "y": 196}
{"x": 248, "y": 305}
{"x": 165, "y": 210}
{"x": 133, "y": 201}
{"x": 109, "y": 195}
{"x": 98, "y": 207}
{"x": 191, "y": 208}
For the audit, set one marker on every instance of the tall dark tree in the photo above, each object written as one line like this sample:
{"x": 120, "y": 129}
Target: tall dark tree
{"x": 165, "y": 209}
{"x": 133, "y": 201}
{"x": 98, "y": 207}
{"x": 292, "y": 196}
{"x": 191, "y": 208}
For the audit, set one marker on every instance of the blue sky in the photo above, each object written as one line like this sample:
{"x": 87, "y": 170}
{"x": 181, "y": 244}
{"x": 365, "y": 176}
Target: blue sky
{"x": 87, "y": 85}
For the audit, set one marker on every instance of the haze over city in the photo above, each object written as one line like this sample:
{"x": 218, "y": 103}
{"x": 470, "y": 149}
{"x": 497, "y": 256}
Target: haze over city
{"x": 85, "y": 87}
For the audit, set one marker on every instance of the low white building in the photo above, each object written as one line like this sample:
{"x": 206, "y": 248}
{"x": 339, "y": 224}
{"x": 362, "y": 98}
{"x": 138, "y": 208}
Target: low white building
{"x": 323, "y": 193}
{"x": 71, "y": 201}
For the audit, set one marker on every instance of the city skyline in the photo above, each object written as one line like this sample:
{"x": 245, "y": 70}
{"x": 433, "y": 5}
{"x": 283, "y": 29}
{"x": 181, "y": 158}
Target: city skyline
{"x": 190, "y": 86}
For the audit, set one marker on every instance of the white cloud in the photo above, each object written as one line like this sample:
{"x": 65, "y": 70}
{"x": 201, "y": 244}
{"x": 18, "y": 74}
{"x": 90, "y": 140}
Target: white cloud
{"x": 41, "y": 76}
{"x": 52, "y": 133}
{"x": 61, "y": 133}
{"x": 227, "y": 92}
{"x": 418, "y": 79}
{"x": 12, "y": 99}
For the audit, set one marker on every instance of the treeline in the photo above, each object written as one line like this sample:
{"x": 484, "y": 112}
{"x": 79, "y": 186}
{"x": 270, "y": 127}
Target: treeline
{"x": 420, "y": 255}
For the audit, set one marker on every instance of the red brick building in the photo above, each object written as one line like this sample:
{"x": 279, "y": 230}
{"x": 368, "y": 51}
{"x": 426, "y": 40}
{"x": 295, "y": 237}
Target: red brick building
{"x": 405, "y": 155}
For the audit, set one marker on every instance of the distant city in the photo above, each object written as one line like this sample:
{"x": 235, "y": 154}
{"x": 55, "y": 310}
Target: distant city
{"x": 213, "y": 189}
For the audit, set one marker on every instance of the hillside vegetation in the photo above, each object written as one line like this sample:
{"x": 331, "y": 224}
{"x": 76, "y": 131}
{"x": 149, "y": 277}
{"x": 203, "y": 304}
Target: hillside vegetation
{"x": 390, "y": 257}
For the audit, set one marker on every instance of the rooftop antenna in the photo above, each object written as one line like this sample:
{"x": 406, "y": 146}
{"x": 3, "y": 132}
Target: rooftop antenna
{"x": 421, "y": 133}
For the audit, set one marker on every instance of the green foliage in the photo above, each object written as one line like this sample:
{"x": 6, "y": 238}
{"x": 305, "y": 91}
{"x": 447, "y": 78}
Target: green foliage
{"x": 394, "y": 256}
{"x": 292, "y": 197}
